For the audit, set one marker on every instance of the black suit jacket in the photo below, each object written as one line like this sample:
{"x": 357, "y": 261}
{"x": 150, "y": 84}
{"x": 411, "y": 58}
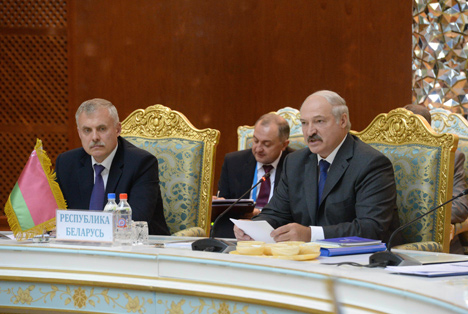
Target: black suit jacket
{"x": 238, "y": 172}
{"x": 133, "y": 171}
{"x": 359, "y": 197}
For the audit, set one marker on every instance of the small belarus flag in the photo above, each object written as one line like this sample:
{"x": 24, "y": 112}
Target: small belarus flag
{"x": 30, "y": 209}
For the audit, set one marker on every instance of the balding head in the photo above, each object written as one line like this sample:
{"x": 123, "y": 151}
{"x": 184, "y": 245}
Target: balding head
{"x": 283, "y": 126}
{"x": 270, "y": 138}
{"x": 421, "y": 110}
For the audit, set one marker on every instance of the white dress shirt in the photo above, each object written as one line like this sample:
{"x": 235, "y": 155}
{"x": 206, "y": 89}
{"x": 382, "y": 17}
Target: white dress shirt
{"x": 260, "y": 173}
{"x": 106, "y": 163}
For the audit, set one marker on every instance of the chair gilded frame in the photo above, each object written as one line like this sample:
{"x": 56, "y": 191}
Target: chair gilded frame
{"x": 186, "y": 157}
{"x": 296, "y": 139}
{"x": 422, "y": 161}
{"x": 444, "y": 121}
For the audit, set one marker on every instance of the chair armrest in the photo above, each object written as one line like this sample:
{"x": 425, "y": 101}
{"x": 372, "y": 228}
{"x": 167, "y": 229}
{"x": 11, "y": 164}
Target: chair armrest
{"x": 190, "y": 232}
{"x": 429, "y": 246}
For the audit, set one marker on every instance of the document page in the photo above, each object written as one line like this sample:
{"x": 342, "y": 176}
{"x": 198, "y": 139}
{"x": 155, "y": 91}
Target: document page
{"x": 436, "y": 270}
{"x": 258, "y": 230}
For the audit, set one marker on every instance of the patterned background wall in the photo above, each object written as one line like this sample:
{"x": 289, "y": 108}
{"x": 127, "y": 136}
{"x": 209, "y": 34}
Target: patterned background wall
{"x": 33, "y": 83}
{"x": 440, "y": 52}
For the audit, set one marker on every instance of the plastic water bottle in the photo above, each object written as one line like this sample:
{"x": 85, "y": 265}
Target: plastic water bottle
{"x": 111, "y": 204}
{"x": 111, "y": 207}
{"x": 123, "y": 221}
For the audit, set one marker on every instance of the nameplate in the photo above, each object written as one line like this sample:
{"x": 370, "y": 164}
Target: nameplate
{"x": 84, "y": 225}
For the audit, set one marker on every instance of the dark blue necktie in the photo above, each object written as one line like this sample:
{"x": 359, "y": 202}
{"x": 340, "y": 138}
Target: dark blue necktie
{"x": 98, "y": 194}
{"x": 323, "y": 164}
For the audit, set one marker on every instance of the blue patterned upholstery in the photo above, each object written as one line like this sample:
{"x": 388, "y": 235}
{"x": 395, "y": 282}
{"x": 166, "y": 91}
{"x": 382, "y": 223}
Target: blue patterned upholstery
{"x": 296, "y": 139}
{"x": 429, "y": 246}
{"x": 417, "y": 185}
{"x": 186, "y": 162}
{"x": 421, "y": 159}
{"x": 444, "y": 121}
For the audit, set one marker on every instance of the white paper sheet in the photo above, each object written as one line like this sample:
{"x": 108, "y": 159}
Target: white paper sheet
{"x": 435, "y": 270}
{"x": 179, "y": 245}
{"x": 258, "y": 230}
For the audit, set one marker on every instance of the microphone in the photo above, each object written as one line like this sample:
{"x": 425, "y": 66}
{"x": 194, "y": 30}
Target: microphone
{"x": 388, "y": 258}
{"x": 215, "y": 245}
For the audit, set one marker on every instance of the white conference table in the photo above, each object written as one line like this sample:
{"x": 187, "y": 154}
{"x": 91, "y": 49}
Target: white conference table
{"x": 63, "y": 278}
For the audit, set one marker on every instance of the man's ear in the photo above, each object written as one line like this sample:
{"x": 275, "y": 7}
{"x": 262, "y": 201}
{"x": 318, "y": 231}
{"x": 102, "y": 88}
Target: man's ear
{"x": 344, "y": 120}
{"x": 119, "y": 128}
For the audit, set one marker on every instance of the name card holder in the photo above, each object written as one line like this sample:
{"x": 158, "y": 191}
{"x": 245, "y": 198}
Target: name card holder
{"x": 85, "y": 225}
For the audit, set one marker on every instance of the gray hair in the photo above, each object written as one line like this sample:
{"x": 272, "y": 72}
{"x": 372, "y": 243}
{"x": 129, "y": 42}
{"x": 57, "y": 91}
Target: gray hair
{"x": 338, "y": 105}
{"x": 283, "y": 126}
{"x": 92, "y": 105}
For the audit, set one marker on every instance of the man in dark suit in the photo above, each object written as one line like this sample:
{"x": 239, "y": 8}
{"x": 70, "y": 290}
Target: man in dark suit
{"x": 242, "y": 169}
{"x": 127, "y": 169}
{"x": 350, "y": 193}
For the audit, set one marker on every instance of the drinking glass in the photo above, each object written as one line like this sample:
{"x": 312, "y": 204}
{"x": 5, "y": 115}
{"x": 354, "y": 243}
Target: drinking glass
{"x": 140, "y": 233}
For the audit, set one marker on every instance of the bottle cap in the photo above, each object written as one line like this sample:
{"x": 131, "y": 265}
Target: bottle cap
{"x": 123, "y": 196}
{"x": 111, "y": 196}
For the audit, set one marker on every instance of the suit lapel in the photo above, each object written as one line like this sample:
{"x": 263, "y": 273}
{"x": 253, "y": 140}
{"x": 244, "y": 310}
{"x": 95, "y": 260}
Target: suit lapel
{"x": 310, "y": 186}
{"x": 247, "y": 176}
{"x": 116, "y": 169}
{"x": 86, "y": 175}
{"x": 339, "y": 166}
{"x": 280, "y": 167}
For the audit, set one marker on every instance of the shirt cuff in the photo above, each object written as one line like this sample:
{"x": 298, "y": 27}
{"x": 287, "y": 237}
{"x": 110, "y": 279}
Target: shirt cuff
{"x": 316, "y": 233}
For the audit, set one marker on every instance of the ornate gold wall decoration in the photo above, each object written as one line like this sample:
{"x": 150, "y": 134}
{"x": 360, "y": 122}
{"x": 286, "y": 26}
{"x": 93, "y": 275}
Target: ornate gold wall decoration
{"x": 86, "y": 299}
{"x": 78, "y": 297}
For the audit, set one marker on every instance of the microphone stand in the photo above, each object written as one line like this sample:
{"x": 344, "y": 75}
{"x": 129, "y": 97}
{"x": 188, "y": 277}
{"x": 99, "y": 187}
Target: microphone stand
{"x": 215, "y": 245}
{"x": 388, "y": 258}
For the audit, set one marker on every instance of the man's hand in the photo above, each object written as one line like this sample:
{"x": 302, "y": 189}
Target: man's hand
{"x": 240, "y": 235}
{"x": 254, "y": 213}
{"x": 291, "y": 232}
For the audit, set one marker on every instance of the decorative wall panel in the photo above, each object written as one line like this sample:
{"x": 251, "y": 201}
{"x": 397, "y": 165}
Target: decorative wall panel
{"x": 440, "y": 52}
{"x": 33, "y": 84}
{"x": 225, "y": 63}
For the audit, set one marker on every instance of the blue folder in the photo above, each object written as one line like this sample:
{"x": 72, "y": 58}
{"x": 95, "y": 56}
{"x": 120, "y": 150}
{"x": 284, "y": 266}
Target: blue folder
{"x": 352, "y": 250}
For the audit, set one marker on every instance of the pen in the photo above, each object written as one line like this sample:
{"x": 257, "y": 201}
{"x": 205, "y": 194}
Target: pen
{"x": 217, "y": 195}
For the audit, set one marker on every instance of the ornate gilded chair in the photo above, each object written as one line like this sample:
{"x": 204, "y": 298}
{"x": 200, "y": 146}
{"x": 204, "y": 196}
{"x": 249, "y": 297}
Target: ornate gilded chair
{"x": 186, "y": 165}
{"x": 444, "y": 121}
{"x": 296, "y": 140}
{"x": 421, "y": 160}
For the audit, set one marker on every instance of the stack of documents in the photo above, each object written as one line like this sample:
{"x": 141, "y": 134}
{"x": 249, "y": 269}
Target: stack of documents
{"x": 435, "y": 270}
{"x": 349, "y": 245}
